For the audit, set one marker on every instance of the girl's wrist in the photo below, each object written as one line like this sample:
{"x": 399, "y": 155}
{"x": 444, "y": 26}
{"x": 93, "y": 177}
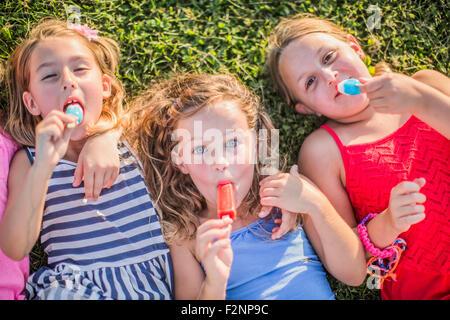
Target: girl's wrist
{"x": 382, "y": 230}
{"x": 320, "y": 206}
{"x": 42, "y": 170}
{"x": 213, "y": 289}
{"x": 420, "y": 106}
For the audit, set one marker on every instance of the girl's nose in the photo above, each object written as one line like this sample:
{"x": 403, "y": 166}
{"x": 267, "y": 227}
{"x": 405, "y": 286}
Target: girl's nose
{"x": 68, "y": 80}
{"x": 220, "y": 162}
{"x": 330, "y": 77}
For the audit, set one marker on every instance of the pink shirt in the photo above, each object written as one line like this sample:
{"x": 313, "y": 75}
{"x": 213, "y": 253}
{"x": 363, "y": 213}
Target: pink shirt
{"x": 13, "y": 274}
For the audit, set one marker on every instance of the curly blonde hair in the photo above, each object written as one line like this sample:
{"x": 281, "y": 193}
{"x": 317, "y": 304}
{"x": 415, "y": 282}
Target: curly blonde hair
{"x": 20, "y": 124}
{"x": 155, "y": 113}
{"x": 290, "y": 29}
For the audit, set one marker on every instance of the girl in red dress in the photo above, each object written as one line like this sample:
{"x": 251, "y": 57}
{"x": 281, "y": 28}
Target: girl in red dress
{"x": 384, "y": 151}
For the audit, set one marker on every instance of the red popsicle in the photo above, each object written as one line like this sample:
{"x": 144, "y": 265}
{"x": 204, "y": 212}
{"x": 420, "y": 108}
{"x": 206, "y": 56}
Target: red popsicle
{"x": 225, "y": 201}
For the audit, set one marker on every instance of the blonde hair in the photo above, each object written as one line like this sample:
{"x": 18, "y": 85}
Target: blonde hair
{"x": 153, "y": 116}
{"x": 20, "y": 124}
{"x": 292, "y": 28}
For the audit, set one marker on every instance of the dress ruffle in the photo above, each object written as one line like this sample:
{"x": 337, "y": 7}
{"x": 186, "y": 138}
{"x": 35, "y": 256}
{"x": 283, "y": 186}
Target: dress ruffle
{"x": 140, "y": 281}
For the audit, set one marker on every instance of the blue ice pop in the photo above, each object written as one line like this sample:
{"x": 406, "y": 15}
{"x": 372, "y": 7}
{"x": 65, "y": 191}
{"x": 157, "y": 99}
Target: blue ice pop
{"x": 76, "y": 110}
{"x": 349, "y": 86}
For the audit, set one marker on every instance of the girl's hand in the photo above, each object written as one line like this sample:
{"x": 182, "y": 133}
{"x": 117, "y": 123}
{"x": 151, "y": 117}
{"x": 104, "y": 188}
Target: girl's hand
{"x": 405, "y": 207}
{"x": 213, "y": 250}
{"x": 287, "y": 222}
{"x": 98, "y": 163}
{"x": 52, "y": 138}
{"x": 393, "y": 93}
{"x": 292, "y": 192}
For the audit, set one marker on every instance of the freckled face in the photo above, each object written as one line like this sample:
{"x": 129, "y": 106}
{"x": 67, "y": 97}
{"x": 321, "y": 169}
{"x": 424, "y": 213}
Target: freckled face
{"x": 312, "y": 65}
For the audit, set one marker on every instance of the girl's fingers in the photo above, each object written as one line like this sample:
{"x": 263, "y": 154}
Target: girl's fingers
{"x": 64, "y": 117}
{"x": 270, "y": 179}
{"x": 207, "y": 239}
{"x": 364, "y": 80}
{"x": 268, "y": 192}
{"x": 55, "y": 121}
{"x": 52, "y": 132}
{"x": 411, "y": 198}
{"x": 420, "y": 181}
{"x": 98, "y": 184}
{"x": 107, "y": 178}
{"x": 215, "y": 247}
{"x": 274, "y": 232}
{"x": 406, "y": 187}
{"x": 287, "y": 222}
{"x": 218, "y": 245}
{"x": 88, "y": 183}
{"x": 272, "y": 183}
{"x": 264, "y": 212}
{"x": 78, "y": 174}
{"x": 113, "y": 177}
{"x": 373, "y": 85}
{"x": 210, "y": 235}
{"x": 414, "y": 218}
{"x": 410, "y": 210}
{"x": 67, "y": 133}
{"x": 270, "y": 201}
{"x": 213, "y": 223}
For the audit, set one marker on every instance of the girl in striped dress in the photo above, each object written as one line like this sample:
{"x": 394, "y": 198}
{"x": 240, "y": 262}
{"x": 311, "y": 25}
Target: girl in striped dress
{"x": 108, "y": 248}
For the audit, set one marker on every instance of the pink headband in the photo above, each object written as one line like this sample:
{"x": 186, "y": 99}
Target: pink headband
{"x": 89, "y": 33}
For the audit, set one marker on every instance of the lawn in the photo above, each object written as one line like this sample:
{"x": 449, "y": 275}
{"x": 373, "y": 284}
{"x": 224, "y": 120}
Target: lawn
{"x": 161, "y": 37}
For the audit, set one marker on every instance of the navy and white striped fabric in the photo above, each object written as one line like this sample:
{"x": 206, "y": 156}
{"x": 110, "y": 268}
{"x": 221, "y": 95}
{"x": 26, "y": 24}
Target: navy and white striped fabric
{"x": 111, "y": 248}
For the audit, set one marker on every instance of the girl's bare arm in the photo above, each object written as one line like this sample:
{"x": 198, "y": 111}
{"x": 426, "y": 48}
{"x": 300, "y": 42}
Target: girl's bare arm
{"x": 21, "y": 223}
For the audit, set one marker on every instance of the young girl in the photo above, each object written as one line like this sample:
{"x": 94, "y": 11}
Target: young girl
{"x": 111, "y": 248}
{"x": 383, "y": 151}
{"x": 191, "y": 133}
{"x": 103, "y": 165}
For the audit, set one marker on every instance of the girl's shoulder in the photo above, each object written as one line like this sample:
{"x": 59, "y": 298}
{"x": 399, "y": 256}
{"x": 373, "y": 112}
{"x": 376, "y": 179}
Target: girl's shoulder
{"x": 20, "y": 160}
{"x": 183, "y": 248}
{"x": 320, "y": 158}
{"x": 319, "y": 146}
{"x": 18, "y": 168}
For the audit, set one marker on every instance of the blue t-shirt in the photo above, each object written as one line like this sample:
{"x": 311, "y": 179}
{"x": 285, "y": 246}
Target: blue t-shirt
{"x": 283, "y": 269}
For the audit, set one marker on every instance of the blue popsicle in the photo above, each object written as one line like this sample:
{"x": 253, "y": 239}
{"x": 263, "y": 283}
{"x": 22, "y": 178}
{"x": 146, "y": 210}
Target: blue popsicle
{"x": 349, "y": 86}
{"x": 75, "y": 110}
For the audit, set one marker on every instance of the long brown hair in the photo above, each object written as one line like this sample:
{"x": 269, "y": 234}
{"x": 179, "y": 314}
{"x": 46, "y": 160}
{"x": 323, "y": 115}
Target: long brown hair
{"x": 20, "y": 124}
{"x": 153, "y": 116}
{"x": 292, "y": 28}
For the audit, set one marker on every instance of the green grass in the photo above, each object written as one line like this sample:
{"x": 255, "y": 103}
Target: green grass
{"x": 160, "y": 37}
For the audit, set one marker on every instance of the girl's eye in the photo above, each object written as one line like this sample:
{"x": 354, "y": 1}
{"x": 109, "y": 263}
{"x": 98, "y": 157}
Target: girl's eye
{"x": 81, "y": 69}
{"x": 233, "y": 143}
{"x": 328, "y": 57}
{"x": 199, "y": 150}
{"x": 49, "y": 76}
{"x": 310, "y": 81}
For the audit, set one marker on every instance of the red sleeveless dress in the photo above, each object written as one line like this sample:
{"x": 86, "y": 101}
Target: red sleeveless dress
{"x": 372, "y": 169}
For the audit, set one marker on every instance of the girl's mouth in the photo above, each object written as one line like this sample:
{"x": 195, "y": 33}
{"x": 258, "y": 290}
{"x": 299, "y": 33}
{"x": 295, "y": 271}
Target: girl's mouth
{"x": 75, "y": 107}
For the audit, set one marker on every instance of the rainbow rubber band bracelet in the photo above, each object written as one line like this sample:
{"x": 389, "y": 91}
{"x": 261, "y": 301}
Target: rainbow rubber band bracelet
{"x": 370, "y": 247}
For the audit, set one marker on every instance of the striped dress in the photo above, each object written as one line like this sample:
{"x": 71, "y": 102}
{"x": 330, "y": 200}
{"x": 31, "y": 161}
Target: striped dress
{"x": 111, "y": 248}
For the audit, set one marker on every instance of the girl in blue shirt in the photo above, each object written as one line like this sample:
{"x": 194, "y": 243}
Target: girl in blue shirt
{"x": 194, "y": 132}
